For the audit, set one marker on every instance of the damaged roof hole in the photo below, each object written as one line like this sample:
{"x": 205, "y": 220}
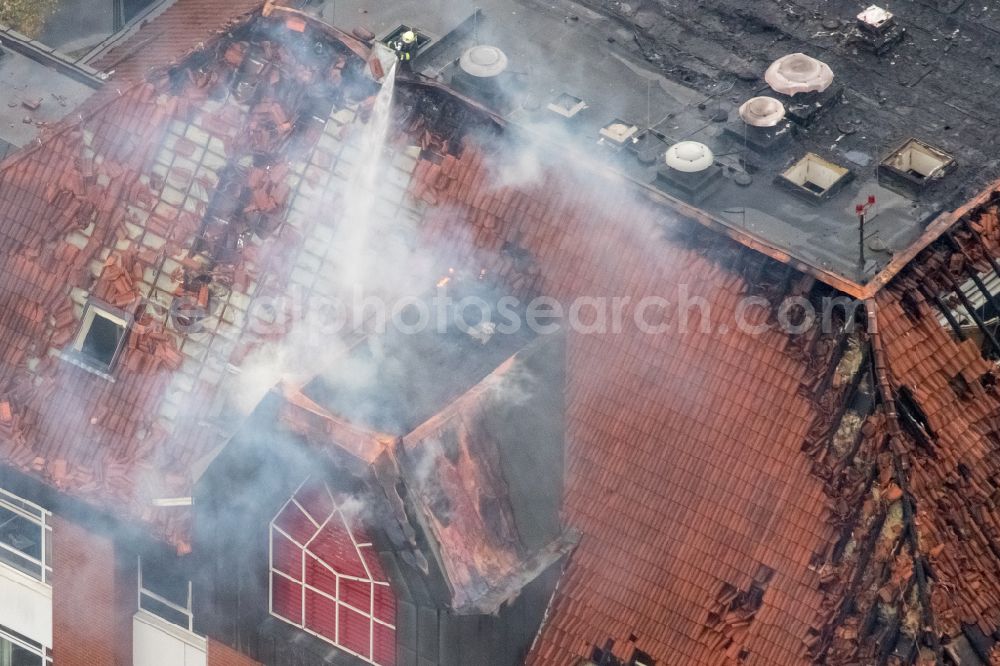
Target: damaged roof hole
{"x": 911, "y": 410}
{"x": 605, "y": 656}
{"x": 101, "y": 338}
{"x": 960, "y": 386}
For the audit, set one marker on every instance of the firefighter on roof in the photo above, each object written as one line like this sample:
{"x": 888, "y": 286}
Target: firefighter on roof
{"x": 404, "y": 47}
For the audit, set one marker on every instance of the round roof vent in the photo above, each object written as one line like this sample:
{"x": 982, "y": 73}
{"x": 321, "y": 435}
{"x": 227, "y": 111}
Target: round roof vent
{"x": 762, "y": 112}
{"x": 483, "y": 61}
{"x": 798, "y": 73}
{"x": 689, "y": 157}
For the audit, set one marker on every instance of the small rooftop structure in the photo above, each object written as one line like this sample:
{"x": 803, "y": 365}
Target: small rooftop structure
{"x": 917, "y": 163}
{"x": 689, "y": 157}
{"x": 483, "y": 61}
{"x": 798, "y": 73}
{"x": 566, "y": 105}
{"x": 875, "y": 18}
{"x": 814, "y": 177}
{"x": 762, "y": 112}
{"x": 618, "y": 132}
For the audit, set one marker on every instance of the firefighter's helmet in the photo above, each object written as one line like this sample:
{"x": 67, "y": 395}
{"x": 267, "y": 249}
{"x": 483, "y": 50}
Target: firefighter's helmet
{"x": 409, "y": 37}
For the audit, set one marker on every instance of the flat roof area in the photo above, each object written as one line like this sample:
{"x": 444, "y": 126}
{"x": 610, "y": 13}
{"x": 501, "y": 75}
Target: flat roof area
{"x": 683, "y": 71}
{"x": 26, "y": 81}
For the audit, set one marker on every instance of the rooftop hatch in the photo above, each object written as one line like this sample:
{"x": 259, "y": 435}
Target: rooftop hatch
{"x": 567, "y": 105}
{"x": 814, "y": 177}
{"x": 917, "y": 163}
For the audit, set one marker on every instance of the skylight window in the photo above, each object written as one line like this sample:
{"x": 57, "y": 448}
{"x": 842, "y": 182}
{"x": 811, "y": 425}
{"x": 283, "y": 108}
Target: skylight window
{"x": 917, "y": 162}
{"x": 102, "y": 335}
{"x": 567, "y": 106}
{"x": 814, "y": 177}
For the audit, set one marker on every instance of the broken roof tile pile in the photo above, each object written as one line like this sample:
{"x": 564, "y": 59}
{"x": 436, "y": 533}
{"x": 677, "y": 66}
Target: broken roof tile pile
{"x": 168, "y": 201}
{"x": 743, "y": 498}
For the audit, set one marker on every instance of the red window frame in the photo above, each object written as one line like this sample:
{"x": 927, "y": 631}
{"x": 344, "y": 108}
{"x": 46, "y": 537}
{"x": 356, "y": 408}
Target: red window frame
{"x": 326, "y": 578}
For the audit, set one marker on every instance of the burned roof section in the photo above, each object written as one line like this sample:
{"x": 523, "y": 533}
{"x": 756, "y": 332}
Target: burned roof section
{"x": 757, "y": 497}
{"x": 475, "y": 484}
{"x": 168, "y": 202}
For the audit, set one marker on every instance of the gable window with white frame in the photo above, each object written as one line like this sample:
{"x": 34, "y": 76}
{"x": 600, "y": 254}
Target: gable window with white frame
{"x": 326, "y": 577}
{"x": 17, "y": 650}
{"x": 25, "y": 537}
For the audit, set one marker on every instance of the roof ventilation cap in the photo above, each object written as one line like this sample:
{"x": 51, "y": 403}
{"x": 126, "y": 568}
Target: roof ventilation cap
{"x": 798, "y": 73}
{"x": 689, "y": 157}
{"x": 762, "y": 112}
{"x": 483, "y": 61}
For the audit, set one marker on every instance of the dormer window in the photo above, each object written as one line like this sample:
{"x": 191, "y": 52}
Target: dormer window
{"x": 101, "y": 337}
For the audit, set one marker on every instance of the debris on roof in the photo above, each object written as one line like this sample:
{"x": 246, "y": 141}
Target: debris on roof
{"x": 758, "y": 497}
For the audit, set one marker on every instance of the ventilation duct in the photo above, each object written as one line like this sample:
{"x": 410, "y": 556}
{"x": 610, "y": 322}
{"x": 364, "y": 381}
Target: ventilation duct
{"x": 689, "y": 157}
{"x": 877, "y": 28}
{"x": 483, "y": 61}
{"x": 798, "y": 73}
{"x": 762, "y": 112}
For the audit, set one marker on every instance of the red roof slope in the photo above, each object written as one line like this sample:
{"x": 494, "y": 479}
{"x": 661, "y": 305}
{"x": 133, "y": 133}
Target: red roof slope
{"x": 114, "y": 207}
{"x": 684, "y": 466}
{"x": 171, "y": 35}
{"x": 708, "y": 510}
